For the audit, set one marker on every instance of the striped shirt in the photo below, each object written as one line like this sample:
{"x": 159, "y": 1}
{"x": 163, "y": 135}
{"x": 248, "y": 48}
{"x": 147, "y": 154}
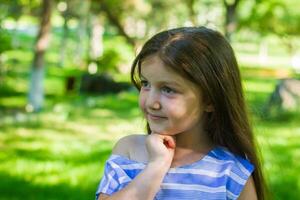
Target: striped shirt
{"x": 218, "y": 175}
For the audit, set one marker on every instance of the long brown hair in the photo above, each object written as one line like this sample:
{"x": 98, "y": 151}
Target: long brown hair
{"x": 205, "y": 57}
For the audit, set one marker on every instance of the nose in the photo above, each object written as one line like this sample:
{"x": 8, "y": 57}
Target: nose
{"x": 153, "y": 100}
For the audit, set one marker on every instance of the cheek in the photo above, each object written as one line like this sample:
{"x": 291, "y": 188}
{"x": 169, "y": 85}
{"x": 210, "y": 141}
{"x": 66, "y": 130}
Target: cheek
{"x": 176, "y": 108}
{"x": 142, "y": 101}
{"x": 184, "y": 111}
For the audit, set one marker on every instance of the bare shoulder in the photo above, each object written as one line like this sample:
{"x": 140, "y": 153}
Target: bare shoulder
{"x": 126, "y": 145}
{"x": 103, "y": 196}
{"x": 249, "y": 192}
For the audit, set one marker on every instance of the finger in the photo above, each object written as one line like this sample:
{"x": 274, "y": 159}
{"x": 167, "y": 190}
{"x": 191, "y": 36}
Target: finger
{"x": 169, "y": 142}
{"x": 166, "y": 143}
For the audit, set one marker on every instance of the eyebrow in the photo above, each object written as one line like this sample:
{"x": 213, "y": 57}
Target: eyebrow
{"x": 163, "y": 82}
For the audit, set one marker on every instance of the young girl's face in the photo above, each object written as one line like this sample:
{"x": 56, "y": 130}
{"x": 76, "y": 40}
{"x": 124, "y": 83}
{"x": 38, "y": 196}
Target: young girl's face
{"x": 171, "y": 104}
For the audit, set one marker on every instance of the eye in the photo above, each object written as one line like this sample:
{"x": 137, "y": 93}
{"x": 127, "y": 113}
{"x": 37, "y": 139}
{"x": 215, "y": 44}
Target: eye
{"x": 168, "y": 90}
{"x": 145, "y": 84}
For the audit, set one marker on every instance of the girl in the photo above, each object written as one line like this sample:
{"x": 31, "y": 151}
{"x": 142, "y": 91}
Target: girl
{"x": 199, "y": 144}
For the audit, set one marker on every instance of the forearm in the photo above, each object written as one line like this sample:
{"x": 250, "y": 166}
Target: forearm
{"x": 144, "y": 186}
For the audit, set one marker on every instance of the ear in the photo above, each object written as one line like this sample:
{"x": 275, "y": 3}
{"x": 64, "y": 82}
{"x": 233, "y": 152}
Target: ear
{"x": 209, "y": 108}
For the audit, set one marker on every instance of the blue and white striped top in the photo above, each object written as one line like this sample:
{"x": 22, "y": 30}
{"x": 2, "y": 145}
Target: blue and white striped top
{"x": 218, "y": 175}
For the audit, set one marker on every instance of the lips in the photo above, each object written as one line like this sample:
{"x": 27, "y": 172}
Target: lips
{"x": 155, "y": 117}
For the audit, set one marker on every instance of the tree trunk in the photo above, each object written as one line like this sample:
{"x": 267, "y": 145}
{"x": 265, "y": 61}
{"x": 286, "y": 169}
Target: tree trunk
{"x": 64, "y": 40}
{"x": 96, "y": 44}
{"x": 81, "y": 46}
{"x": 82, "y": 31}
{"x": 230, "y": 18}
{"x": 36, "y": 90}
{"x": 96, "y": 41}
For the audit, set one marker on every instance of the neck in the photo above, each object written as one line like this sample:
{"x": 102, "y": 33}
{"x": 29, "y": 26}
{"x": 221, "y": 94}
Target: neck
{"x": 190, "y": 148}
{"x": 188, "y": 143}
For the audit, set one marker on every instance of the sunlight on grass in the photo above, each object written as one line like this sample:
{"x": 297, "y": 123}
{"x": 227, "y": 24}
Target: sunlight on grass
{"x": 259, "y": 86}
{"x": 41, "y": 157}
{"x": 20, "y": 54}
{"x": 280, "y": 145}
{"x": 17, "y": 84}
{"x": 274, "y": 61}
{"x": 64, "y": 147}
{"x": 55, "y": 86}
{"x": 13, "y": 101}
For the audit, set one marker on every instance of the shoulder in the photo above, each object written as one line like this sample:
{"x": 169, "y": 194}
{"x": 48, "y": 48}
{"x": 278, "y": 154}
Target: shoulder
{"x": 127, "y": 144}
{"x": 237, "y": 164}
{"x": 249, "y": 191}
{"x": 238, "y": 172}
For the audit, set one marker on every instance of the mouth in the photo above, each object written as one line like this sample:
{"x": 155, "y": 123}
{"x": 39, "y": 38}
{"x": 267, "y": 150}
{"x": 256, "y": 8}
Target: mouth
{"x": 155, "y": 117}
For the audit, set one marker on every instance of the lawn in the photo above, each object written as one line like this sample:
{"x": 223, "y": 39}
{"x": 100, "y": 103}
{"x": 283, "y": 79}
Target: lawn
{"x": 60, "y": 152}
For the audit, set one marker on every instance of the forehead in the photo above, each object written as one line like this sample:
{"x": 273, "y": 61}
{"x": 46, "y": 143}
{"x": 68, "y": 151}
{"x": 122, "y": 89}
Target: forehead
{"x": 153, "y": 69}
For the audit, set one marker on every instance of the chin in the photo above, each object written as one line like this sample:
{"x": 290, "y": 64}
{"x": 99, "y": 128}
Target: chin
{"x": 162, "y": 131}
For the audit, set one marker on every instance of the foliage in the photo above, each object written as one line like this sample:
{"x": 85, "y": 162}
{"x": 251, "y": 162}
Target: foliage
{"x": 16, "y": 8}
{"x": 109, "y": 61}
{"x": 5, "y": 41}
{"x": 272, "y": 16}
{"x": 117, "y": 54}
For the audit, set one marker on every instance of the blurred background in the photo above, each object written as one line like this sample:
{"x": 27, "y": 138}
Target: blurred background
{"x": 66, "y": 98}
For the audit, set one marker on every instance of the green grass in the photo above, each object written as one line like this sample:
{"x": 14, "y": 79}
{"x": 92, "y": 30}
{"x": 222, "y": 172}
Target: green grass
{"x": 60, "y": 152}
{"x": 279, "y": 141}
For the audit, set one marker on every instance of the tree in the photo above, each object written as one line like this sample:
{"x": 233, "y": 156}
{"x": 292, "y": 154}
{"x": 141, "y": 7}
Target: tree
{"x": 77, "y": 10}
{"x": 275, "y": 17}
{"x": 66, "y": 12}
{"x": 230, "y": 17}
{"x": 14, "y": 9}
{"x": 36, "y": 90}
{"x": 280, "y": 18}
{"x": 115, "y": 12}
{"x": 167, "y": 14}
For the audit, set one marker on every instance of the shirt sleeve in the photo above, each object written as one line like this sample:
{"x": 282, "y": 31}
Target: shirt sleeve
{"x": 113, "y": 180}
{"x": 238, "y": 176}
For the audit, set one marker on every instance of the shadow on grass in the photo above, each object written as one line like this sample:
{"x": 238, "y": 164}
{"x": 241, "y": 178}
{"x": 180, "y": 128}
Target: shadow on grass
{"x": 14, "y": 188}
{"x": 256, "y": 102}
{"x": 6, "y": 91}
{"x": 17, "y": 188}
{"x": 42, "y": 155}
{"x": 121, "y": 106}
{"x": 285, "y": 183}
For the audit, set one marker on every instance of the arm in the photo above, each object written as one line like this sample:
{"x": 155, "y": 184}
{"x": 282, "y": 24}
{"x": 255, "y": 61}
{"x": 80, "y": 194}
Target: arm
{"x": 147, "y": 183}
{"x": 144, "y": 186}
{"x": 249, "y": 192}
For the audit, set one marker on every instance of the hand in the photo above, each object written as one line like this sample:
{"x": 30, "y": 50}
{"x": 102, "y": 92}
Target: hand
{"x": 161, "y": 149}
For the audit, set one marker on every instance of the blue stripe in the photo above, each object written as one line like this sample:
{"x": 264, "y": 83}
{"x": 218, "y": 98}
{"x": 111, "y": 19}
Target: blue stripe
{"x": 132, "y": 173}
{"x": 190, "y": 195}
{"x": 231, "y": 173}
{"x": 194, "y": 179}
